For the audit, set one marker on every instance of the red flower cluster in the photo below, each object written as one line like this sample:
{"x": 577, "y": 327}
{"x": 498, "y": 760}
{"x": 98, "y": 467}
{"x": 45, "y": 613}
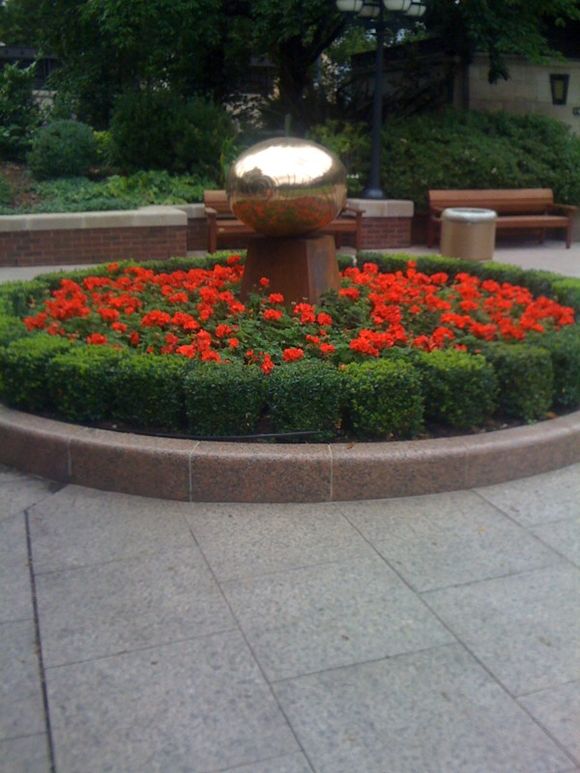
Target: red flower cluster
{"x": 197, "y": 314}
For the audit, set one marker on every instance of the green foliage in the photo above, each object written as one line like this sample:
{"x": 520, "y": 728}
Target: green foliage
{"x": 564, "y": 348}
{"x": 82, "y": 382}
{"x": 78, "y": 194}
{"x": 567, "y": 291}
{"x": 19, "y": 114}
{"x": 351, "y": 143}
{"x": 305, "y": 396}
{"x": 62, "y": 149}
{"x": 460, "y": 389}
{"x": 161, "y": 130}
{"x": 525, "y": 377}
{"x": 5, "y": 192}
{"x": 104, "y": 151}
{"x": 466, "y": 149}
{"x": 19, "y": 298}
{"x": 150, "y": 391}
{"x": 11, "y": 328}
{"x": 223, "y": 400}
{"x": 383, "y": 399}
{"x": 23, "y": 370}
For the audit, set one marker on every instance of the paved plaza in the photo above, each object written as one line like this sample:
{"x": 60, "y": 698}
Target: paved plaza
{"x": 435, "y": 633}
{"x": 428, "y": 634}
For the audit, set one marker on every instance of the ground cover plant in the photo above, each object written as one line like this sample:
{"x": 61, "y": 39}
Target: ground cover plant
{"x": 400, "y": 346}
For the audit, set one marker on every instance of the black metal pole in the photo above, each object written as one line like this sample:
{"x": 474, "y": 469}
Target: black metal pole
{"x": 373, "y": 189}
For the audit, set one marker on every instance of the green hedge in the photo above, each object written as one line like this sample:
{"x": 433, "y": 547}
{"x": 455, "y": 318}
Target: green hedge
{"x": 23, "y": 370}
{"x": 564, "y": 349}
{"x": 62, "y": 149}
{"x": 383, "y": 399}
{"x": 149, "y": 391}
{"x": 526, "y": 379}
{"x": 82, "y": 382}
{"x": 459, "y": 389}
{"x": 305, "y": 396}
{"x": 224, "y": 399}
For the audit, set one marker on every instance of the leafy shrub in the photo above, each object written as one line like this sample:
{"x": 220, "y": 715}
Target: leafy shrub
{"x": 149, "y": 391}
{"x": 459, "y": 389}
{"x": 5, "y": 192}
{"x": 18, "y": 297}
{"x": 567, "y": 291}
{"x": 351, "y": 143}
{"x": 526, "y": 379}
{"x": 466, "y": 149}
{"x": 19, "y": 113}
{"x": 82, "y": 382}
{"x": 161, "y": 130}
{"x": 62, "y": 149}
{"x": 11, "y": 328}
{"x": 305, "y": 396}
{"x": 224, "y": 399}
{"x": 564, "y": 348}
{"x": 23, "y": 370}
{"x": 383, "y": 399}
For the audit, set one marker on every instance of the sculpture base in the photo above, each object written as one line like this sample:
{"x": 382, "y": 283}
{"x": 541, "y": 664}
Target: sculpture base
{"x": 299, "y": 267}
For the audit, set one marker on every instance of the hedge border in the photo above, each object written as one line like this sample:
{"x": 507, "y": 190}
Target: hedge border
{"x": 14, "y": 298}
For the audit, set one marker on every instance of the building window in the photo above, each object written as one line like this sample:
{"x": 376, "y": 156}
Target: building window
{"x": 559, "y": 87}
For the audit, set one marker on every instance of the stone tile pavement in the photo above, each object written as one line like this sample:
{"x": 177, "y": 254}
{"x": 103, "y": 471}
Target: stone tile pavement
{"x": 429, "y": 634}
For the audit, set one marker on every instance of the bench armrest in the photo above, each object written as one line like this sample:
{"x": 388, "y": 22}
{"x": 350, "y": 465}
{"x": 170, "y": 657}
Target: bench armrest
{"x": 436, "y": 211}
{"x": 564, "y": 207}
{"x": 353, "y": 209}
{"x": 210, "y": 212}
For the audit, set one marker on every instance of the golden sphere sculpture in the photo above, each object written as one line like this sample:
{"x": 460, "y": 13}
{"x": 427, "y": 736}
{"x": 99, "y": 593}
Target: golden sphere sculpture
{"x": 286, "y": 187}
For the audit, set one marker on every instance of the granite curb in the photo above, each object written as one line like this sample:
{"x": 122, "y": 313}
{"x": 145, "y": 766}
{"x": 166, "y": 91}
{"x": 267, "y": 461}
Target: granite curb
{"x": 257, "y": 472}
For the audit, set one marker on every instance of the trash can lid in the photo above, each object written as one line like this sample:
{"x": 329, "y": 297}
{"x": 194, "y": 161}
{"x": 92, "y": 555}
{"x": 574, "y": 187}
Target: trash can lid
{"x": 469, "y": 215}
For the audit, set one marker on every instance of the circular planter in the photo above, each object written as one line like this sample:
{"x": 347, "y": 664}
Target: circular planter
{"x": 254, "y": 472}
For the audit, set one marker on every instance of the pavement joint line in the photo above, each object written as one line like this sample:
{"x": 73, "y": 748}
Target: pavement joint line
{"x": 253, "y": 762}
{"x": 528, "y": 530}
{"x": 382, "y": 659}
{"x": 253, "y": 654}
{"x": 556, "y": 563}
{"x": 18, "y": 620}
{"x": 120, "y": 653}
{"x": 38, "y": 647}
{"x": 18, "y": 737}
{"x": 547, "y": 689}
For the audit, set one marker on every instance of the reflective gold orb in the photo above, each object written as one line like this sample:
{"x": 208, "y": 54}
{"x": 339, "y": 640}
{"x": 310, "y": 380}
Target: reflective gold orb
{"x": 286, "y": 187}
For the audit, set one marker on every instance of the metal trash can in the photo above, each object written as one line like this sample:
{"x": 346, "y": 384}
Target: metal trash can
{"x": 468, "y": 233}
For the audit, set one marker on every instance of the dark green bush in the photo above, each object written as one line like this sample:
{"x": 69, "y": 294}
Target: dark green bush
{"x": 305, "y": 396}
{"x": 567, "y": 291}
{"x": 465, "y": 149}
{"x": 351, "y": 142}
{"x": 5, "y": 192}
{"x": 19, "y": 113}
{"x": 82, "y": 382}
{"x": 23, "y": 370}
{"x": 383, "y": 399}
{"x": 11, "y": 328}
{"x": 526, "y": 379}
{"x": 161, "y": 130}
{"x": 564, "y": 348}
{"x": 62, "y": 149}
{"x": 459, "y": 389}
{"x": 224, "y": 400}
{"x": 150, "y": 391}
{"x": 21, "y": 297}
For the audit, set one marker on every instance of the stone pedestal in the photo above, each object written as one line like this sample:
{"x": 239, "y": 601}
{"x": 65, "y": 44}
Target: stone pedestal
{"x": 299, "y": 267}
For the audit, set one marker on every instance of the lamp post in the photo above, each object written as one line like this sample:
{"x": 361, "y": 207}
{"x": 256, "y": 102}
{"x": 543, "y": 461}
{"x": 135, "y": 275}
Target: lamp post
{"x": 371, "y": 13}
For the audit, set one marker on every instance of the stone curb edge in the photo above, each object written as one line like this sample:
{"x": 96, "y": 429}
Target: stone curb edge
{"x": 257, "y": 472}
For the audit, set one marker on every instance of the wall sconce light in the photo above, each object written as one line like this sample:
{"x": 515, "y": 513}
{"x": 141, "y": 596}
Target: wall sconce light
{"x": 559, "y": 88}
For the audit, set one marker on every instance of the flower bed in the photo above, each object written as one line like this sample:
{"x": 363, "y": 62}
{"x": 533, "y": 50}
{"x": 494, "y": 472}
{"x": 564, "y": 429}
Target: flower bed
{"x": 401, "y": 346}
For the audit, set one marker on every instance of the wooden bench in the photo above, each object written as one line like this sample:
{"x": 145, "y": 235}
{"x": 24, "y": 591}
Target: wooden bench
{"x": 221, "y": 223}
{"x": 531, "y": 209}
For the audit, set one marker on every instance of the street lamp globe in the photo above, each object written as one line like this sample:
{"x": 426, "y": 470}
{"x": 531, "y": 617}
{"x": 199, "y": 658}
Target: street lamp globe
{"x": 349, "y": 6}
{"x": 397, "y": 6}
{"x": 416, "y": 10}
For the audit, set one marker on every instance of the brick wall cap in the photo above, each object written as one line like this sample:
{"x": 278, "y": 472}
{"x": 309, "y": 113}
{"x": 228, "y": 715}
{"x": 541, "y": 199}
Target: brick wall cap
{"x": 384, "y": 207}
{"x": 193, "y": 211}
{"x": 145, "y": 217}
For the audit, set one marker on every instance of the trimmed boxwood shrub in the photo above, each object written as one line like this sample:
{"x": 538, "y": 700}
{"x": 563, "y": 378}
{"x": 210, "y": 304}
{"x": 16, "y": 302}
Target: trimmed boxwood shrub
{"x": 305, "y": 396}
{"x": 459, "y": 389}
{"x": 24, "y": 369}
{"x": 82, "y": 382}
{"x": 383, "y": 398}
{"x": 223, "y": 400}
{"x": 11, "y": 328}
{"x": 62, "y": 149}
{"x": 564, "y": 348}
{"x": 526, "y": 379}
{"x": 567, "y": 291}
{"x": 149, "y": 391}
